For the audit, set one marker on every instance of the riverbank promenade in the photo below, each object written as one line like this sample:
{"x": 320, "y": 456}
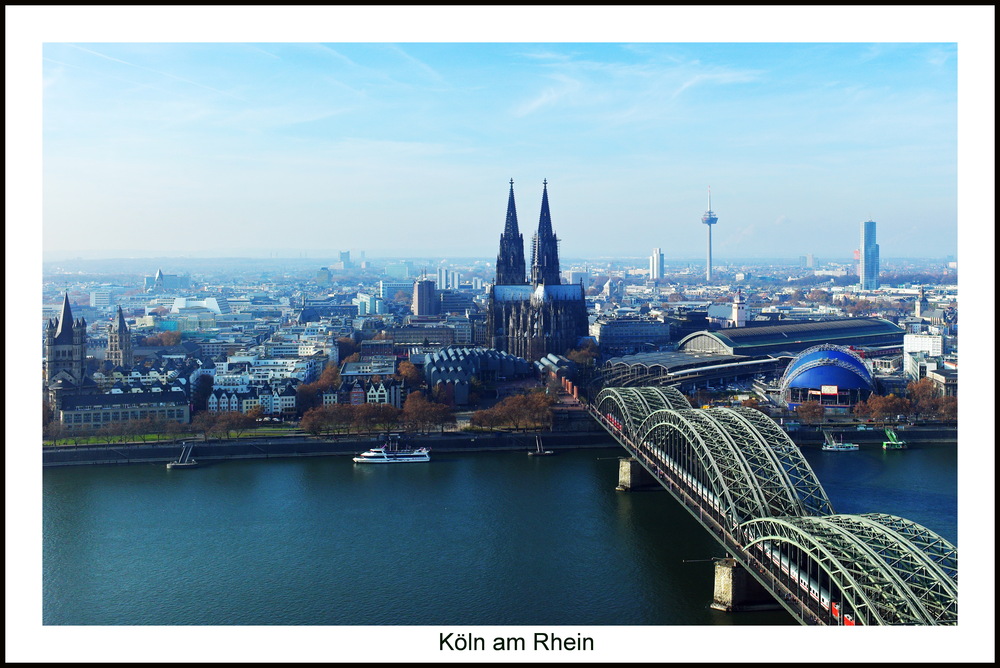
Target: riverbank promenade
{"x": 304, "y": 446}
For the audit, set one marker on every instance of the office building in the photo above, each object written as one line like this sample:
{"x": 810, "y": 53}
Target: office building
{"x": 656, "y": 264}
{"x": 869, "y": 260}
{"x": 424, "y": 298}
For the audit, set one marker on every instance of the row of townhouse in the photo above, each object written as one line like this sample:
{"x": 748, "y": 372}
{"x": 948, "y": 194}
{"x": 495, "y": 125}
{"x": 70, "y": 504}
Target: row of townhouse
{"x": 272, "y": 401}
{"x": 356, "y": 391}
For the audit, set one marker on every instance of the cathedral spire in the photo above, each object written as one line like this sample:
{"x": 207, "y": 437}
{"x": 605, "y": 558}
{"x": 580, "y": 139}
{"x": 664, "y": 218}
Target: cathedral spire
{"x": 65, "y": 326}
{"x": 510, "y": 229}
{"x": 510, "y": 260}
{"x": 545, "y": 218}
{"x": 545, "y": 247}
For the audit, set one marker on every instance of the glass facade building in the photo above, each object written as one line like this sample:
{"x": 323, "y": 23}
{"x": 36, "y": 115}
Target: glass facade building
{"x": 868, "y": 270}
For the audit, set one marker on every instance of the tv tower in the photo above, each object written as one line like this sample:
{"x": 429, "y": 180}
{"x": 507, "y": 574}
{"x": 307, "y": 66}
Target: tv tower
{"x": 709, "y": 219}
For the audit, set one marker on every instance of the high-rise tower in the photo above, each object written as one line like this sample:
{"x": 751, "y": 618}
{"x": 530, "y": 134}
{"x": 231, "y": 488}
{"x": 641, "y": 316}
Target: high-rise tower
{"x": 545, "y": 247}
{"x": 510, "y": 259}
{"x": 709, "y": 219}
{"x": 656, "y": 264}
{"x": 869, "y": 267}
{"x": 424, "y": 297}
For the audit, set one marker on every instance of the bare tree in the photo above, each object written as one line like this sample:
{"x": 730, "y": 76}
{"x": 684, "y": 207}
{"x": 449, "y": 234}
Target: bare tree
{"x": 810, "y": 412}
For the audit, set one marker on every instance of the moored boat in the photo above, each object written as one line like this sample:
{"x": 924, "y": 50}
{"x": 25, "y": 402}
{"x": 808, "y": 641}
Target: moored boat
{"x": 832, "y": 445}
{"x": 840, "y": 447}
{"x": 539, "y": 451}
{"x": 185, "y": 461}
{"x": 894, "y": 442}
{"x": 383, "y": 455}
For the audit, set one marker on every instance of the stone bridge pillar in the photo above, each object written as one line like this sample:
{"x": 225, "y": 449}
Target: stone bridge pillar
{"x": 631, "y": 475}
{"x": 736, "y": 589}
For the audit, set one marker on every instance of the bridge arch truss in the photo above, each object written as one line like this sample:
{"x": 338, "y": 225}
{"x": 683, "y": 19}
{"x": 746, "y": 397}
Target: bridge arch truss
{"x": 743, "y": 478}
{"x": 870, "y": 569}
{"x": 736, "y": 459}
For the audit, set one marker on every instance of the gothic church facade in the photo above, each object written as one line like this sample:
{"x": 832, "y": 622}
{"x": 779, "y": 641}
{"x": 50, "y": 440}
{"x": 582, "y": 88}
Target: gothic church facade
{"x": 531, "y": 316}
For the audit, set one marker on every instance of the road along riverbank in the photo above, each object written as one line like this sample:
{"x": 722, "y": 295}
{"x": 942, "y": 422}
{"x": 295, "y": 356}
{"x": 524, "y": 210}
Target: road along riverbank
{"x": 265, "y": 448}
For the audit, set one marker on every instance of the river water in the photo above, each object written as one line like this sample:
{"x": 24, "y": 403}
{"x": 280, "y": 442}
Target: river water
{"x": 487, "y": 538}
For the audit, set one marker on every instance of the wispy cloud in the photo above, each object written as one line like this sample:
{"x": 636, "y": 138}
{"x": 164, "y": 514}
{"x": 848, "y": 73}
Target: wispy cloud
{"x": 256, "y": 48}
{"x": 159, "y": 72}
{"x": 422, "y": 66}
{"x": 715, "y": 78}
{"x": 323, "y": 48}
{"x": 549, "y": 96}
{"x": 548, "y": 55}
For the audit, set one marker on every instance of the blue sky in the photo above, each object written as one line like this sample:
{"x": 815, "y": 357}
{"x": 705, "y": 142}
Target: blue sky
{"x": 262, "y": 147}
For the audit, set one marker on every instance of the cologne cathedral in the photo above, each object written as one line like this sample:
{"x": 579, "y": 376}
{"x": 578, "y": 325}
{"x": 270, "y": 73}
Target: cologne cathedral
{"x": 531, "y": 316}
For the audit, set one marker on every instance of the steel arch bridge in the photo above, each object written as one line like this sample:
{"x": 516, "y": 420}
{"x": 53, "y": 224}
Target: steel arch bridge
{"x": 741, "y": 476}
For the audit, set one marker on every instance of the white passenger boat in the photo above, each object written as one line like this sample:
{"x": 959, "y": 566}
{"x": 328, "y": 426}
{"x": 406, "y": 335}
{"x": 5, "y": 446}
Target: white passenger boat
{"x": 392, "y": 454}
{"x": 834, "y": 445}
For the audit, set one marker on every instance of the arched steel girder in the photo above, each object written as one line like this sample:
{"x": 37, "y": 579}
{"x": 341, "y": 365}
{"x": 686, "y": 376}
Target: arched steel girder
{"x": 930, "y": 544}
{"x": 631, "y": 405}
{"x": 743, "y": 456}
{"x": 936, "y": 589}
{"x": 874, "y": 571}
{"x": 789, "y": 467}
{"x": 674, "y": 397}
{"x": 709, "y": 452}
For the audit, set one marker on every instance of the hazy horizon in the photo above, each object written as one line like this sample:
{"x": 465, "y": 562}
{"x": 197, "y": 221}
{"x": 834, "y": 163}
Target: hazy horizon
{"x": 332, "y": 256}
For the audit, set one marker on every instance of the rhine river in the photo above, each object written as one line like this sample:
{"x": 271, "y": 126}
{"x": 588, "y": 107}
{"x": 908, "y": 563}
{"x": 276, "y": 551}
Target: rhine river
{"x": 477, "y": 538}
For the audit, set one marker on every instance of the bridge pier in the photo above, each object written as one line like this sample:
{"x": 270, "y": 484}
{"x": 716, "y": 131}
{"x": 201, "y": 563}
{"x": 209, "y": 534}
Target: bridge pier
{"x": 736, "y": 590}
{"x": 632, "y": 476}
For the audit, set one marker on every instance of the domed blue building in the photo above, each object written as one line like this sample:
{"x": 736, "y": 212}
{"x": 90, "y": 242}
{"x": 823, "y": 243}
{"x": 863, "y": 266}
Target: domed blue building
{"x": 833, "y": 375}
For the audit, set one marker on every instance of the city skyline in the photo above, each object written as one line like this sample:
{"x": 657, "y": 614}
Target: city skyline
{"x": 226, "y": 143}
{"x": 458, "y": 184}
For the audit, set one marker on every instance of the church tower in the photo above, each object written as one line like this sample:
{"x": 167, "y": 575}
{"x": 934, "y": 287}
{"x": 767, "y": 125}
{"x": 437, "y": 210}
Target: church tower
{"x": 739, "y": 318}
{"x": 922, "y": 305}
{"x": 66, "y": 347}
{"x": 120, "y": 342}
{"x": 510, "y": 259}
{"x": 545, "y": 247}
{"x": 66, "y": 357}
{"x": 532, "y": 320}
